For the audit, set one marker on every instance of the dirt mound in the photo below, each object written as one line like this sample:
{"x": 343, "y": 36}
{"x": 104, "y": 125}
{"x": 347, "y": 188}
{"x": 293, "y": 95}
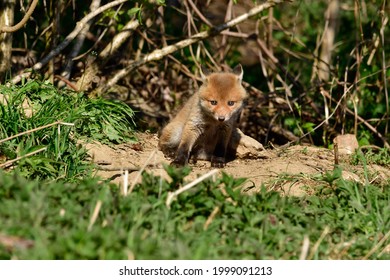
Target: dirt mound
{"x": 295, "y": 170}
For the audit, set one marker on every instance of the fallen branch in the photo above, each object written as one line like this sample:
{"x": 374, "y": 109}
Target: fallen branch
{"x": 35, "y": 129}
{"x": 121, "y": 168}
{"x": 161, "y": 53}
{"x": 171, "y": 195}
{"x": 10, "y": 162}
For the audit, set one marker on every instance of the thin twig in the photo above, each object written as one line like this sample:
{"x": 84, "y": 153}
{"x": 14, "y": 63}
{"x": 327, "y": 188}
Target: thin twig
{"x": 125, "y": 182}
{"x": 385, "y": 250}
{"x": 211, "y": 217}
{"x": 223, "y": 49}
{"x": 190, "y": 22}
{"x": 67, "y": 82}
{"x": 200, "y": 15}
{"x": 377, "y": 246}
{"x": 10, "y": 162}
{"x": 317, "y": 244}
{"x": 95, "y": 214}
{"x": 359, "y": 118}
{"x": 184, "y": 69}
{"x": 305, "y": 248}
{"x": 349, "y": 111}
{"x": 119, "y": 38}
{"x": 20, "y": 24}
{"x": 141, "y": 170}
{"x": 121, "y": 168}
{"x": 171, "y": 195}
{"x": 385, "y": 20}
{"x": 35, "y": 129}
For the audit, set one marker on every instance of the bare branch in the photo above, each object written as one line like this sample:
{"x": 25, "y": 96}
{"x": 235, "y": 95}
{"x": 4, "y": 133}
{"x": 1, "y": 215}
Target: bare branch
{"x": 161, "y": 53}
{"x": 79, "y": 27}
{"x": 16, "y": 27}
{"x": 327, "y": 44}
{"x": 200, "y": 15}
{"x": 79, "y": 43}
{"x": 120, "y": 38}
{"x": 385, "y": 20}
{"x": 95, "y": 64}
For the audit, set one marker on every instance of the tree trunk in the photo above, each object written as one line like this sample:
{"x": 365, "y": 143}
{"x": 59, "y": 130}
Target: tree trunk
{"x": 6, "y": 18}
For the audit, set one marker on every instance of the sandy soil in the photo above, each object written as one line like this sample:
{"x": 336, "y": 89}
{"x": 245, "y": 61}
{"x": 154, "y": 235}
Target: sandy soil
{"x": 294, "y": 170}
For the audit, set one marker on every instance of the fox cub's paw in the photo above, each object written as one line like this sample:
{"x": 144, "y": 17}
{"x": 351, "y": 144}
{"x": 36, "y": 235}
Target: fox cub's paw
{"x": 218, "y": 162}
{"x": 176, "y": 163}
{"x": 168, "y": 152}
{"x": 179, "y": 162}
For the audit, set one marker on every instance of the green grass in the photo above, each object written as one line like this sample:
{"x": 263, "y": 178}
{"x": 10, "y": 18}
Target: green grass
{"x": 56, "y": 217}
{"x": 379, "y": 156}
{"x": 93, "y": 119}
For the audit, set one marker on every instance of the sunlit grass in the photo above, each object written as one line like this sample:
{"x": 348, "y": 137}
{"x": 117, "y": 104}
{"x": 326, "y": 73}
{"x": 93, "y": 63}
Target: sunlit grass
{"x": 59, "y": 119}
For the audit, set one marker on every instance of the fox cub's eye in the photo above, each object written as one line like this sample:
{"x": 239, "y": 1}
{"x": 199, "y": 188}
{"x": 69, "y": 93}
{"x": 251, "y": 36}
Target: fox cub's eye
{"x": 231, "y": 103}
{"x": 213, "y": 102}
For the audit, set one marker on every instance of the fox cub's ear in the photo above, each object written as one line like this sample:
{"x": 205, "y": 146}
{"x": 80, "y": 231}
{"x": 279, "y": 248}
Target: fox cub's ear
{"x": 204, "y": 72}
{"x": 239, "y": 72}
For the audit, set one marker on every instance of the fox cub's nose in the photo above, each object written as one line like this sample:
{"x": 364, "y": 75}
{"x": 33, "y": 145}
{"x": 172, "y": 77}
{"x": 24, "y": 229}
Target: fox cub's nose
{"x": 221, "y": 118}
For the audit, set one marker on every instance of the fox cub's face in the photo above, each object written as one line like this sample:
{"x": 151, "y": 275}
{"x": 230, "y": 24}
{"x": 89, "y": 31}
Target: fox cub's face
{"x": 222, "y": 95}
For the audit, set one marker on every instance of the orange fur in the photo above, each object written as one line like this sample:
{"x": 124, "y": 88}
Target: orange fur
{"x": 203, "y": 127}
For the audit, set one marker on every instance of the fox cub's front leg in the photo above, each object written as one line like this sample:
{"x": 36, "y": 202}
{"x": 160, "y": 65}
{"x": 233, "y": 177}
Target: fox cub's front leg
{"x": 218, "y": 159}
{"x": 189, "y": 137}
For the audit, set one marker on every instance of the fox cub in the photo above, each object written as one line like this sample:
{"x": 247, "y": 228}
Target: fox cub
{"x": 203, "y": 128}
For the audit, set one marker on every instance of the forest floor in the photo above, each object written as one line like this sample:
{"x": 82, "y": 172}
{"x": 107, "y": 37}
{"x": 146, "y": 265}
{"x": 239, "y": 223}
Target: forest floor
{"x": 295, "y": 170}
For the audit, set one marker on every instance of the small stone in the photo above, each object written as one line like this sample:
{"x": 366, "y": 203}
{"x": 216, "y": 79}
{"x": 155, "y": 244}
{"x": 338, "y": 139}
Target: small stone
{"x": 346, "y": 144}
{"x": 247, "y": 146}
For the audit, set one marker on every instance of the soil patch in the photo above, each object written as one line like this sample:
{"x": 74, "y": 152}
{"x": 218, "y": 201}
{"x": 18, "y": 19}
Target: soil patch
{"x": 295, "y": 170}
